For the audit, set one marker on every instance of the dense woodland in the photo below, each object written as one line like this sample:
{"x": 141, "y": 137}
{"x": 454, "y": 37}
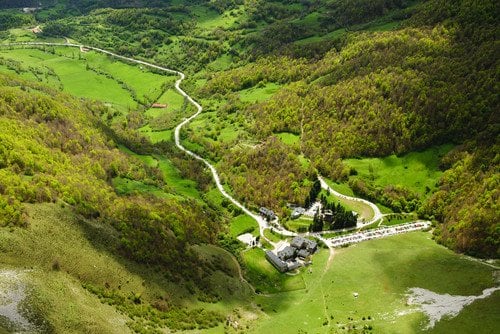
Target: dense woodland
{"x": 430, "y": 80}
{"x": 54, "y": 149}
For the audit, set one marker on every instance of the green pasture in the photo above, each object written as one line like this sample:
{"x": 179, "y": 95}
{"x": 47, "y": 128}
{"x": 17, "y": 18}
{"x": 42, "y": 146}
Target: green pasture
{"x": 398, "y": 219}
{"x": 259, "y": 94}
{"x": 124, "y": 186}
{"x": 243, "y": 224}
{"x": 172, "y": 176}
{"x": 95, "y": 76}
{"x": 273, "y": 236}
{"x": 288, "y": 138}
{"x": 364, "y": 211}
{"x": 75, "y": 78}
{"x": 209, "y": 19}
{"x": 321, "y": 38}
{"x": 417, "y": 171}
{"x": 381, "y": 272}
{"x": 157, "y": 136}
{"x": 295, "y": 224}
{"x": 171, "y": 98}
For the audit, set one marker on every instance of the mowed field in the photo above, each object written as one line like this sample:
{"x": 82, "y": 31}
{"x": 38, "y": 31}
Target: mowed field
{"x": 321, "y": 299}
{"x": 89, "y": 75}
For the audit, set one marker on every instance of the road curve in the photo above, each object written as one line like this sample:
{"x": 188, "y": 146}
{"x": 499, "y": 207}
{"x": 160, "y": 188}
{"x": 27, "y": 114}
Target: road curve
{"x": 262, "y": 223}
{"x": 377, "y": 215}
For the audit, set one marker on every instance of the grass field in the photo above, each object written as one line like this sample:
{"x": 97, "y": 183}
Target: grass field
{"x": 398, "y": 219}
{"x": 288, "y": 138}
{"x": 259, "y": 94}
{"x": 93, "y": 75}
{"x": 172, "y": 176}
{"x": 416, "y": 171}
{"x": 273, "y": 236}
{"x": 243, "y": 224}
{"x": 364, "y": 211}
{"x": 381, "y": 272}
{"x": 295, "y": 224}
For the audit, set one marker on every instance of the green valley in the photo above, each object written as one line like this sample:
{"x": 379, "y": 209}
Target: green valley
{"x": 249, "y": 166}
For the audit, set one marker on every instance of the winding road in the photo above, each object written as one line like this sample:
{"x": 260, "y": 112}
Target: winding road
{"x": 377, "y": 215}
{"x": 263, "y": 224}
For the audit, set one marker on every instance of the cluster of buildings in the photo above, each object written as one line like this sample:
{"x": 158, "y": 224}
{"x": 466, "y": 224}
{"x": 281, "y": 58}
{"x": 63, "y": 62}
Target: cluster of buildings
{"x": 293, "y": 255}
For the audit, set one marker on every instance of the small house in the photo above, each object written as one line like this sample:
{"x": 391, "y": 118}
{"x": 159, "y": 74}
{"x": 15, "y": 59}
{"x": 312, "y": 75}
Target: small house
{"x": 158, "y": 105}
{"x": 328, "y": 216}
{"x": 267, "y": 213}
{"x": 297, "y": 212}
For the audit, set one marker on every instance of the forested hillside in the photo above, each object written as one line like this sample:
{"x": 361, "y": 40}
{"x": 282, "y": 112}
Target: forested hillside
{"x": 355, "y": 78}
{"x": 290, "y": 89}
{"x": 54, "y": 148}
{"x": 430, "y": 82}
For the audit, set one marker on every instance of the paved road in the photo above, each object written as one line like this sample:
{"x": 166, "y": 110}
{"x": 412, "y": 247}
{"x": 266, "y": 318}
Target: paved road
{"x": 377, "y": 215}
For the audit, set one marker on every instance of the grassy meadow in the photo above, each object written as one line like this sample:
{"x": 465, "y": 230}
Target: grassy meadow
{"x": 381, "y": 272}
{"x": 417, "y": 171}
{"x": 91, "y": 75}
{"x": 243, "y": 224}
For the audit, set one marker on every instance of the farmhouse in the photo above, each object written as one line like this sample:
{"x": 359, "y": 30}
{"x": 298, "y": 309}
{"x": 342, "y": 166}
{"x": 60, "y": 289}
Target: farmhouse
{"x": 328, "y": 216}
{"x": 28, "y": 10}
{"x": 267, "y": 213}
{"x": 286, "y": 253}
{"x": 306, "y": 244}
{"x": 297, "y": 212}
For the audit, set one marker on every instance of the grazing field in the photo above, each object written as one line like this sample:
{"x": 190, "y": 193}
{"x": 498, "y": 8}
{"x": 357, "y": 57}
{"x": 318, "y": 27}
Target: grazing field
{"x": 380, "y": 272}
{"x": 364, "y": 211}
{"x": 273, "y": 236}
{"x": 417, "y": 171}
{"x": 259, "y": 94}
{"x": 296, "y": 224}
{"x": 90, "y": 75}
{"x": 172, "y": 176}
{"x": 288, "y": 138}
{"x": 243, "y": 224}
